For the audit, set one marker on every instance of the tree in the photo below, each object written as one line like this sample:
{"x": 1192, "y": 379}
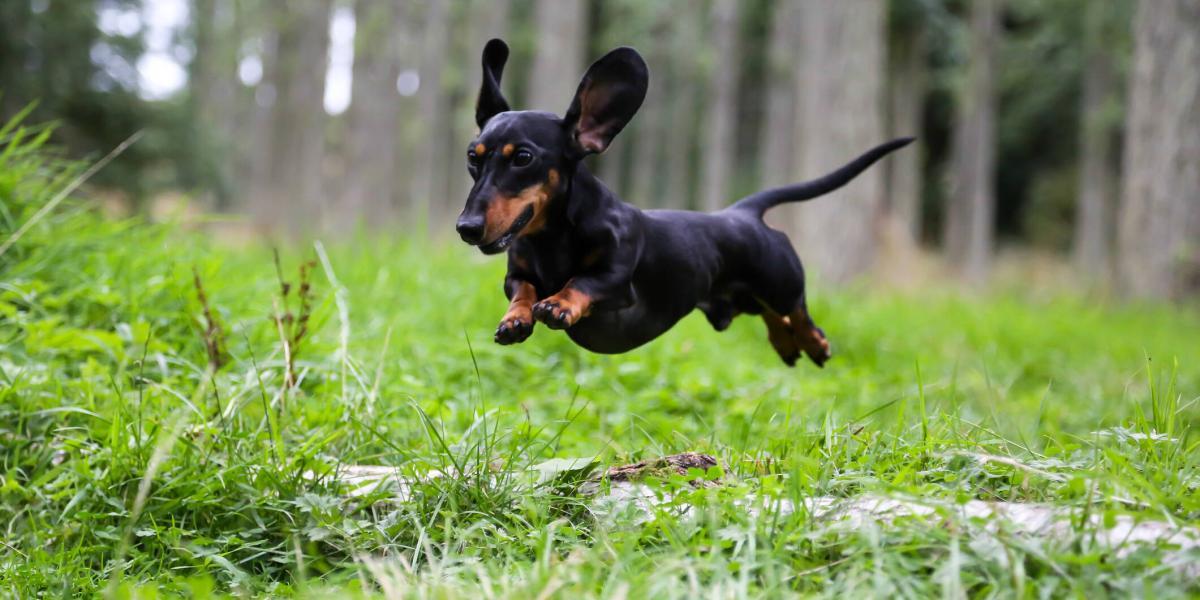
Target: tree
{"x": 213, "y": 88}
{"x": 776, "y": 160}
{"x": 430, "y": 179}
{"x": 485, "y": 19}
{"x": 840, "y": 97}
{"x": 558, "y": 61}
{"x": 971, "y": 207}
{"x": 292, "y": 192}
{"x": 907, "y": 77}
{"x": 1096, "y": 206}
{"x": 1159, "y": 222}
{"x": 719, "y": 140}
{"x": 650, "y": 132}
{"x": 372, "y": 119}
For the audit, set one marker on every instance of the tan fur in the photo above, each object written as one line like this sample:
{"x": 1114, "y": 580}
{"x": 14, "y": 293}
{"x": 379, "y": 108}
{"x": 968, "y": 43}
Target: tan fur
{"x": 521, "y": 307}
{"x": 502, "y": 211}
{"x": 480, "y": 149}
{"x": 570, "y": 303}
{"x": 508, "y": 150}
{"x": 779, "y": 333}
{"x": 808, "y": 337}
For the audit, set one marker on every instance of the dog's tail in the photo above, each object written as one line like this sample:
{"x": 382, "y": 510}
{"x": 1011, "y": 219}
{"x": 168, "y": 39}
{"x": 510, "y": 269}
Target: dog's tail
{"x": 760, "y": 202}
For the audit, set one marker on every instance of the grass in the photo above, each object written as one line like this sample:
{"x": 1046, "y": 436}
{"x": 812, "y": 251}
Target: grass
{"x": 132, "y": 466}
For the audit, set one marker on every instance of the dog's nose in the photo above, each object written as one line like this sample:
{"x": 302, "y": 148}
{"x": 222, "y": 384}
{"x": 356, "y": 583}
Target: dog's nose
{"x": 470, "y": 228}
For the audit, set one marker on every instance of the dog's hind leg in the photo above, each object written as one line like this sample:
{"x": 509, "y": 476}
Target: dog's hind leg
{"x": 778, "y": 282}
{"x": 808, "y": 336}
{"x": 781, "y": 336}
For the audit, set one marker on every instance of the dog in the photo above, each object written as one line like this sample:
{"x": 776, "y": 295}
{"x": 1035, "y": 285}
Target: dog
{"x": 615, "y": 277}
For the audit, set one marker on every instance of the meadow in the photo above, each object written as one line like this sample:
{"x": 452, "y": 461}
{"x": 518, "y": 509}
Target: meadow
{"x": 175, "y": 410}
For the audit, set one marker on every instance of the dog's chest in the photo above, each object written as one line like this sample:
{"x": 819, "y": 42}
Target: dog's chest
{"x": 552, "y": 265}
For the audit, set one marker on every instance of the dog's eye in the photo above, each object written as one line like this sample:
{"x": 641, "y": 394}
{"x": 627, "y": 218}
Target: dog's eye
{"x": 472, "y": 157}
{"x": 522, "y": 159}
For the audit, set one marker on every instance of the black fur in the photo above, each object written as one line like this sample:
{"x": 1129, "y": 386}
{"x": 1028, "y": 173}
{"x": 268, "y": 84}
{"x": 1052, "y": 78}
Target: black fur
{"x": 641, "y": 270}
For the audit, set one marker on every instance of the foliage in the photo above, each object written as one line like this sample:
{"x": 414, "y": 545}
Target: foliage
{"x": 131, "y": 461}
{"x": 53, "y": 54}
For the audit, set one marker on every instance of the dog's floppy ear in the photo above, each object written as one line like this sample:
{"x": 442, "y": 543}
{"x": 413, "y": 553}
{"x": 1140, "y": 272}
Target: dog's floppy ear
{"x": 491, "y": 102}
{"x": 610, "y": 93}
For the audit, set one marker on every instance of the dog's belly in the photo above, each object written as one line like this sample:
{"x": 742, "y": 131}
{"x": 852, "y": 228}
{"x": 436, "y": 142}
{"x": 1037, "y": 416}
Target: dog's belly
{"x": 617, "y": 331}
{"x": 672, "y": 276}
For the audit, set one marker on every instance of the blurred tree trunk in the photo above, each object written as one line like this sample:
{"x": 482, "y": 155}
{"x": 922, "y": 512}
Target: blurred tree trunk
{"x": 213, "y": 87}
{"x": 971, "y": 208}
{"x": 840, "y": 96}
{"x": 1159, "y": 224}
{"x": 558, "y": 62}
{"x": 260, "y": 105}
{"x": 1095, "y": 207}
{"x": 719, "y": 141}
{"x": 296, "y": 137}
{"x": 907, "y": 76}
{"x": 430, "y": 178}
{"x": 372, "y": 137}
{"x": 486, "y": 19}
{"x": 649, "y": 131}
{"x": 611, "y": 167}
{"x": 778, "y": 127}
{"x": 410, "y": 142}
{"x": 684, "y": 34}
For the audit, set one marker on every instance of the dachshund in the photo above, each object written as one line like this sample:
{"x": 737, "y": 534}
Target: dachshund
{"x": 611, "y": 275}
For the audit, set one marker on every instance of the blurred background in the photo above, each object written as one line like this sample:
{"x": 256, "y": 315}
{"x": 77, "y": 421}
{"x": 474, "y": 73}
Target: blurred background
{"x": 1063, "y": 131}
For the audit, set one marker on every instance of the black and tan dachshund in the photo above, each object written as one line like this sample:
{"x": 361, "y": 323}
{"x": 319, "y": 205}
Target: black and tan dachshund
{"x": 613, "y": 276}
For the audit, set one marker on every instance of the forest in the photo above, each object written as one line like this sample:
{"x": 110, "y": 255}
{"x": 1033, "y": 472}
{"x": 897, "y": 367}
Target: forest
{"x": 1044, "y": 125}
{"x": 244, "y": 353}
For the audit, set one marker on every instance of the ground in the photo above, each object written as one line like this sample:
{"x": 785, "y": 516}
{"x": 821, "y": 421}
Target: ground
{"x": 131, "y": 465}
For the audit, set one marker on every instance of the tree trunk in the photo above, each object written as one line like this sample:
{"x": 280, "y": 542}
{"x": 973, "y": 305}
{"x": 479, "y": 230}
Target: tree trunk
{"x": 683, "y": 33}
{"x": 296, "y": 138}
{"x": 776, "y": 160}
{"x": 840, "y": 97}
{"x": 559, "y": 62}
{"x": 906, "y": 91}
{"x": 648, "y": 131}
{"x": 611, "y": 167}
{"x": 1159, "y": 227}
{"x": 213, "y": 86}
{"x": 257, "y": 170}
{"x": 1094, "y": 229}
{"x": 719, "y": 142}
{"x": 486, "y": 19}
{"x": 372, "y": 119}
{"x": 971, "y": 207}
{"x": 430, "y": 179}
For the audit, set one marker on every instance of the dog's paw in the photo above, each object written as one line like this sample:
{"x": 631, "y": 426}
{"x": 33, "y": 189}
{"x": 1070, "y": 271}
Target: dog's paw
{"x": 554, "y": 314}
{"x": 514, "y": 329}
{"x": 818, "y": 349}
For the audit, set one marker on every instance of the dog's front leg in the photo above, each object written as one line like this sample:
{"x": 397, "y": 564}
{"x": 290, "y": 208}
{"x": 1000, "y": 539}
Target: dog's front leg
{"x": 582, "y": 294}
{"x": 565, "y": 308}
{"x": 517, "y": 324}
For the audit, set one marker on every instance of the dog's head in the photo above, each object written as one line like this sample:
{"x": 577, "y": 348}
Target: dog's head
{"x": 520, "y": 159}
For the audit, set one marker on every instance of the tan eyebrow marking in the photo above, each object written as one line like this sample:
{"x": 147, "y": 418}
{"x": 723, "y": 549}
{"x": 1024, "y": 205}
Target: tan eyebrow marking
{"x": 508, "y": 150}
{"x": 480, "y": 149}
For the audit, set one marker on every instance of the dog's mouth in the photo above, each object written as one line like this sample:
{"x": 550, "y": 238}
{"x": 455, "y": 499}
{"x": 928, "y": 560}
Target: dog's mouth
{"x": 502, "y": 243}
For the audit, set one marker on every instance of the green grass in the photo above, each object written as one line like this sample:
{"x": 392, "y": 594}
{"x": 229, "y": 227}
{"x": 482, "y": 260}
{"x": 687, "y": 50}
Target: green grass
{"x": 130, "y": 466}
